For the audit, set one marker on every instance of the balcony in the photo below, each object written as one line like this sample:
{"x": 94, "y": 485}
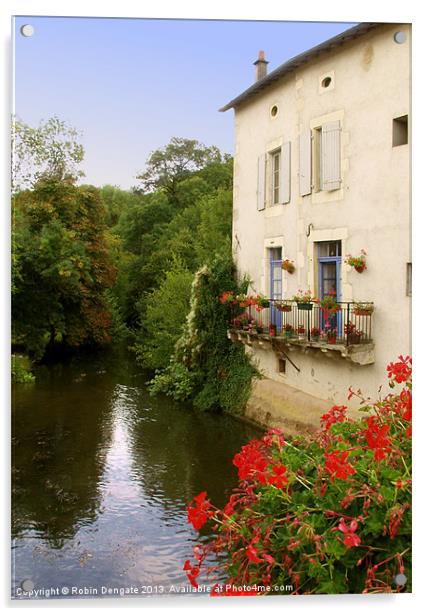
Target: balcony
{"x": 287, "y": 325}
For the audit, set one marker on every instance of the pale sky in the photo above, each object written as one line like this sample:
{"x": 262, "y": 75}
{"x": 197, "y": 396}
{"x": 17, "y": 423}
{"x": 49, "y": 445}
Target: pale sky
{"x": 130, "y": 85}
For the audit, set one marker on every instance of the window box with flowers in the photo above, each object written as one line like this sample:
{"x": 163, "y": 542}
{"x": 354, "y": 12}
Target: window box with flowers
{"x": 283, "y": 306}
{"x": 261, "y": 302}
{"x": 304, "y": 300}
{"x": 358, "y": 263}
{"x": 362, "y": 309}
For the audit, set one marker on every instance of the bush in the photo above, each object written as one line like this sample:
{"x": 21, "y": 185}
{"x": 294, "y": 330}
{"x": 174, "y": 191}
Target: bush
{"x": 165, "y": 311}
{"x": 216, "y": 373}
{"x": 21, "y": 367}
{"x": 328, "y": 515}
{"x": 176, "y": 381}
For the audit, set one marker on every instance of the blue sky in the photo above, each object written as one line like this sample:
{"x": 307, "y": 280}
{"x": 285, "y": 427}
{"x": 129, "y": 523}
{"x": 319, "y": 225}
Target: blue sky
{"x": 129, "y": 85}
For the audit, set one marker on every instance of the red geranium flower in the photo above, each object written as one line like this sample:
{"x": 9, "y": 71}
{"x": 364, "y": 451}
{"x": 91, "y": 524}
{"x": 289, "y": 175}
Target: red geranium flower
{"x": 377, "y": 439}
{"x": 400, "y": 371}
{"x": 278, "y": 479}
{"x": 337, "y": 414}
{"x": 252, "y": 555}
{"x": 336, "y": 465}
{"x": 351, "y": 540}
{"x": 192, "y": 573}
{"x": 199, "y": 514}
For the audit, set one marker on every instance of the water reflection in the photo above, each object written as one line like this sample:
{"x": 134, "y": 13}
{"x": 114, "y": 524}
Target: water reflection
{"x": 102, "y": 473}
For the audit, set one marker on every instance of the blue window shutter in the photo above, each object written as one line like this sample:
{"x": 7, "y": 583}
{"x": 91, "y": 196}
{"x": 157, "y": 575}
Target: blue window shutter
{"x": 285, "y": 180}
{"x": 261, "y": 182}
{"x": 330, "y": 156}
{"x": 305, "y": 163}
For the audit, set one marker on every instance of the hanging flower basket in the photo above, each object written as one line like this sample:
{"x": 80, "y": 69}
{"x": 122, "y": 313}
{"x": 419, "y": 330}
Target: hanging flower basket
{"x": 358, "y": 263}
{"x": 288, "y": 266}
{"x": 304, "y": 305}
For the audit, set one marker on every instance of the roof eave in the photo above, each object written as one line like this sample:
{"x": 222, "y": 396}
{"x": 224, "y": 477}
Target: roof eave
{"x": 300, "y": 59}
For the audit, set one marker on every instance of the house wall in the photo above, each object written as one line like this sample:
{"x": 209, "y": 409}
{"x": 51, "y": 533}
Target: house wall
{"x": 370, "y": 86}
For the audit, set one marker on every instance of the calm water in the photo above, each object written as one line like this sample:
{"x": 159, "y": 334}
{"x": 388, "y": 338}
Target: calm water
{"x": 101, "y": 476}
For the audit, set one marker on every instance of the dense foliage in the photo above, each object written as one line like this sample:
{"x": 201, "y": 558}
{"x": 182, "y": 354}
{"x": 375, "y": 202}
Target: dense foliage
{"x": 331, "y": 515}
{"x": 62, "y": 268}
{"x": 206, "y": 366}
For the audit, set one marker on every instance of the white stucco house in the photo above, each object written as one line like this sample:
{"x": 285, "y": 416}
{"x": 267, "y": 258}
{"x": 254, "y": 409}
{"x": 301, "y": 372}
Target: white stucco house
{"x": 322, "y": 171}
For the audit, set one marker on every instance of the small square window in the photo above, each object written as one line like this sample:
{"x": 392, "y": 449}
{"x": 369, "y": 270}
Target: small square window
{"x": 282, "y": 366}
{"x": 408, "y": 278}
{"x": 400, "y": 131}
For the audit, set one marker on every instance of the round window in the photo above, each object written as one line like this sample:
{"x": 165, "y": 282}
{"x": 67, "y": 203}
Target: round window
{"x": 326, "y": 82}
{"x": 274, "y": 111}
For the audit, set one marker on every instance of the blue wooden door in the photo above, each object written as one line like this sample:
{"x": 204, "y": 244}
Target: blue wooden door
{"x": 329, "y": 264}
{"x": 276, "y": 285}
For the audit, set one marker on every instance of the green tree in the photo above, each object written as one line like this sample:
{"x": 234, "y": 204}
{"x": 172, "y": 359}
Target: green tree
{"x": 64, "y": 267}
{"x": 167, "y": 167}
{"x": 52, "y": 150}
{"x": 165, "y": 312}
{"x": 116, "y": 202}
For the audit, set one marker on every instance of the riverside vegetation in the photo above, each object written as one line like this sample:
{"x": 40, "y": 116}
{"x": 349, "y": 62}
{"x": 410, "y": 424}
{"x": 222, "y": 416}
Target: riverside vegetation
{"x": 94, "y": 266}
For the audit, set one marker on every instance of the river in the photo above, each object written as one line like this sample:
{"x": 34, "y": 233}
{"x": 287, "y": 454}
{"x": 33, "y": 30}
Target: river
{"x": 101, "y": 475}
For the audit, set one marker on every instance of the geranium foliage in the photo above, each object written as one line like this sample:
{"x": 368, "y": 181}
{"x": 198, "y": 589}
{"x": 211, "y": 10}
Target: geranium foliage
{"x": 327, "y": 515}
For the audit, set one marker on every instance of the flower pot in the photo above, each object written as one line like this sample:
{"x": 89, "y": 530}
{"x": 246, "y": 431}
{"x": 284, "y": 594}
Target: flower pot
{"x": 289, "y": 333}
{"x": 331, "y": 339}
{"x": 359, "y": 268}
{"x": 272, "y": 330}
{"x": 284, "y": 308}
{"x": 288, "y": 266}
{"x": 259, "y": 329}
{"x": 304, "y": 306}
{"x": 354, "y": 339}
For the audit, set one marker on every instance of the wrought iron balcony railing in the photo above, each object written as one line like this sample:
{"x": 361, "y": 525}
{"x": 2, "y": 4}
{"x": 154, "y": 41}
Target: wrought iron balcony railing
{"x": 350, "y": 325}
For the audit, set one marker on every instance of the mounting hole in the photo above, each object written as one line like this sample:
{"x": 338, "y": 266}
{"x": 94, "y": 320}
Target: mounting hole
{"x": 326, "y": 82}
{"x": 400, "y": 579}
{"x": 27, "y": 30}
{"x": 399, "y": 37}
{"x": 27, "y": 585}
{"x": 274, "y": 111}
